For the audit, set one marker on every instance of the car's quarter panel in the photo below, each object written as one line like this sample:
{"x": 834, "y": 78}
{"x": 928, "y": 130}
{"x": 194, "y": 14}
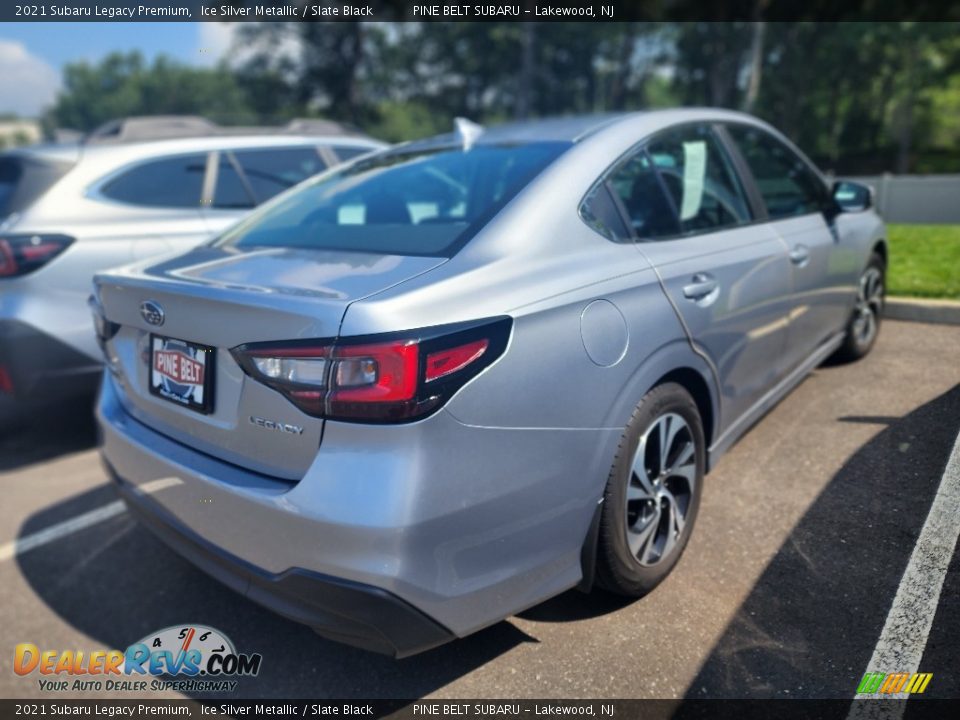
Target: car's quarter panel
{"x": 741, "y": 325}
{"x": 448, "y": 517}
{"x": 859, "y": 234}
{"x": 548, "y": 379}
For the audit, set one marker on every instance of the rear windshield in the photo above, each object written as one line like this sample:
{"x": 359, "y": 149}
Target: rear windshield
{"x": 23, "y": 180}
{"x": 428, "y": 202}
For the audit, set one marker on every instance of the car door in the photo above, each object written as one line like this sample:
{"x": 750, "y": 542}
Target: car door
{"x": 724, "y": 270}
{"x": 245, "y": 178}
{"x": 798, "y": 204}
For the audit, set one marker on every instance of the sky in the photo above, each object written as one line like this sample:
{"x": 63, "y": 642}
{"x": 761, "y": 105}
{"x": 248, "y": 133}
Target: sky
{"x": 32, "y": 55}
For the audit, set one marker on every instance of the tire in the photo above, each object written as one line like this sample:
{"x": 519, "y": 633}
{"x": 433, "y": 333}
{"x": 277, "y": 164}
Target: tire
{"x": 864, "y": 324}
{"x": 626, "y": 563}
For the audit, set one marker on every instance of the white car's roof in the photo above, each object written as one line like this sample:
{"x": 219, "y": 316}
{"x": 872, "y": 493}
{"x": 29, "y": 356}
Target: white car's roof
{"x": 154, "y": 148}
{"x": 124, "y": 152}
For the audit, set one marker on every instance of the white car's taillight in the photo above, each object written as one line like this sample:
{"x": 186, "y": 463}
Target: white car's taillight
{"x": 22, "y": 254}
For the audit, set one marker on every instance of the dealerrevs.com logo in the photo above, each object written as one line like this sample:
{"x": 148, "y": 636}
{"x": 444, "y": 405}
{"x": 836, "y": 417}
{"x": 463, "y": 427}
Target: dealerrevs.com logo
{"x": 185, "y": 658}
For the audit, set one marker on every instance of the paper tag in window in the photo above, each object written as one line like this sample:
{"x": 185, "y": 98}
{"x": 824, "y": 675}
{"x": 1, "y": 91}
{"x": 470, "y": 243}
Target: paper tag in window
{"x": 694, "y": 169}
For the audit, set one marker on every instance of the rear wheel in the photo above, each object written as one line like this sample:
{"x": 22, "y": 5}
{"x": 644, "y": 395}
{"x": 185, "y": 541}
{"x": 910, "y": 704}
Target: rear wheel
{"x": 864, "y": 324}
{"x": 653, "y": 493}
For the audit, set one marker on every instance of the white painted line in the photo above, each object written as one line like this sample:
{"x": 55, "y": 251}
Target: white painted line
{"x": 55, "y": 532}
{"x": 904, "y": 636}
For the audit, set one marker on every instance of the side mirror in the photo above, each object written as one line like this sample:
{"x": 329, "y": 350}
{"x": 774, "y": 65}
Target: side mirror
{"x": 852, "y": 197}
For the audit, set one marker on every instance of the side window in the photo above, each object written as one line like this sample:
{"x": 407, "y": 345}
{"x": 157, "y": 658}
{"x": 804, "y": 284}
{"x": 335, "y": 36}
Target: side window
{"x": 271, "y": 171}
{"x": 230, "y": 192}
{"x": 600, "y": 212}
{"x": 700, "y": 179}
{"x": 346, "y": 152}
{"x": 648, "y": 209}
{"x": 174, "y": 182}
{"x": 787, "y": 184}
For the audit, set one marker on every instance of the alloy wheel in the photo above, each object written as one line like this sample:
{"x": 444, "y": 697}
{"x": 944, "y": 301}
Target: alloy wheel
{"x": 660, "y": 489}
{"x": 866, "y": 313}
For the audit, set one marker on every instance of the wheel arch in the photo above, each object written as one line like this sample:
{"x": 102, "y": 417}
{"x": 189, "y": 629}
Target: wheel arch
{"x": 675, "y": 362}
{"x": 695, "y": 384}
{"x": 880, "y": 247}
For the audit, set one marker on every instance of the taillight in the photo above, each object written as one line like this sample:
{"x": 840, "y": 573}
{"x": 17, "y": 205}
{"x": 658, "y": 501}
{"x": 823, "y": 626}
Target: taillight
{"x": 444, "y": 362}
{"x": 104, "y": 329}
{"x": 6, "y": 382}
{"x": 22, "y": 254}
{"x": 388, "y": 378}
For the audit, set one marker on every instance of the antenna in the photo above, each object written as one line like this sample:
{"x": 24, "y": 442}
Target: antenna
{"x": 468, "y": 131}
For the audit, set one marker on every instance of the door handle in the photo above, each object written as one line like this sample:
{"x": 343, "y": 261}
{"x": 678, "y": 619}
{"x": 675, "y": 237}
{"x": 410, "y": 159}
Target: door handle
{"x": 800, "y": 255}
{"x": 702, "y": 285}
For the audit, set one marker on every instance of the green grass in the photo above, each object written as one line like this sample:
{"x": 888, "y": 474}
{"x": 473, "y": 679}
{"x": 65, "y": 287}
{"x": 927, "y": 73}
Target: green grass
{"x": 924, "y": 261}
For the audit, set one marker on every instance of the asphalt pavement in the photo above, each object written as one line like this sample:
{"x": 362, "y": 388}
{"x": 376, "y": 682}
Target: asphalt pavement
{"x": 804, "y": 532}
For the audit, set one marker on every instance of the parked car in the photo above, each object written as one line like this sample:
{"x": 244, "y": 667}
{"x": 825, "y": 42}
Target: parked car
{"x": 457, "y": 377}
{"x": 134, "y": 189}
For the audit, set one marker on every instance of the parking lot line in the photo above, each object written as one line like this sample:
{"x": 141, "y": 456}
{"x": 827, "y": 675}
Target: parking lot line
{"x": 904, "y": 636}
{"x": 55, "y": 532}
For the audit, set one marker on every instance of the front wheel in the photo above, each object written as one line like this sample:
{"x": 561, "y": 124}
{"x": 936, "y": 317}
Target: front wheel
{"x": 653, "y": 493}
{"x": 864, "y": 324}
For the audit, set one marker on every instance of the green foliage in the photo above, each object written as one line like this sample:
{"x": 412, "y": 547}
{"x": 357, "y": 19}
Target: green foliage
{"x": 859, "y": 97}
{"x": 924, "y": 261}
{"x": 401, "y": 121}
{"x": 124, "y": 84}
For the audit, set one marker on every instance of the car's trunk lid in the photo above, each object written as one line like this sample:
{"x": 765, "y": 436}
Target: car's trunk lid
{"x": 222, "y": 298}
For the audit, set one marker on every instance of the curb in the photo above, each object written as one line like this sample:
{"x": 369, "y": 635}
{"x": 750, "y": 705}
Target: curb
{"x": 941, "y": 312}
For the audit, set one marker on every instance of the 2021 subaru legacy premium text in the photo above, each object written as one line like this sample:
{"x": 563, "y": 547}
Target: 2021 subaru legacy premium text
{"x": 457, "y": 377}
{"x": 134, "y": 189}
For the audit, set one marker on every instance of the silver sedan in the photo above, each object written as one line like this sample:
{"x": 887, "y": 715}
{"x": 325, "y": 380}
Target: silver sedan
{"x": 459, "y": 376}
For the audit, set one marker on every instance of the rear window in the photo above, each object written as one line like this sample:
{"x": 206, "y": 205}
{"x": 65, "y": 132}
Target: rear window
{"x": 23, "y": 180}
{"x": 403, "y": 203}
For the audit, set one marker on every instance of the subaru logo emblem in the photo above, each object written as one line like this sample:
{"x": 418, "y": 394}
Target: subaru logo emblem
{"x": 152, "y": 312}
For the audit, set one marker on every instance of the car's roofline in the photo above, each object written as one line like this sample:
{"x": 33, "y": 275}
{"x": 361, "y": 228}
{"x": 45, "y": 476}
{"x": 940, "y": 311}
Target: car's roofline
{"x": 53, "y": 152}
{"x": 74, "y": 152}
{"x": 177, "y": 145}
{"x": 574, "y": 129}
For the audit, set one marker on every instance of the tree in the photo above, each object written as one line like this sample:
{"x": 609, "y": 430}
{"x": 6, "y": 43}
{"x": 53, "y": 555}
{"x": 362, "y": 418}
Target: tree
{"x": 124, "y": 84}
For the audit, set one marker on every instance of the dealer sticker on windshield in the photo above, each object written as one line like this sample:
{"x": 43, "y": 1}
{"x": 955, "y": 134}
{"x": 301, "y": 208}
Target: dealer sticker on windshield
{"x": 182, "y": 372}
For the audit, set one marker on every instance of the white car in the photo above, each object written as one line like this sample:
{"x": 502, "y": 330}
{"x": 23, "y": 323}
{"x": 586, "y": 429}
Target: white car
{"x": 133, "y": 189}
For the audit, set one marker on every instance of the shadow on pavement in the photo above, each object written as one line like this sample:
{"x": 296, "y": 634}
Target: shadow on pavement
{"x": 811, "y": 622}
{"x": 50, "y": 433}
{"x": 116, "y": 583}
{"x": 574, "y": 605}
{"x": 807, "y": 629}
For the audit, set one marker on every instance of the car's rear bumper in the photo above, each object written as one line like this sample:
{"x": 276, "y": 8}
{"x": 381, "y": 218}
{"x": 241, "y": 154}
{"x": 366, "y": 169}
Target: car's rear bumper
{"x": 349, "y": 612}
{"x": 39, "y": 371}
{"x": 464, "y": 525}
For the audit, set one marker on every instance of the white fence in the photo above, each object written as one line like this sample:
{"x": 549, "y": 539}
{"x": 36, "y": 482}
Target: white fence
{"x": 916, "y": 199}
